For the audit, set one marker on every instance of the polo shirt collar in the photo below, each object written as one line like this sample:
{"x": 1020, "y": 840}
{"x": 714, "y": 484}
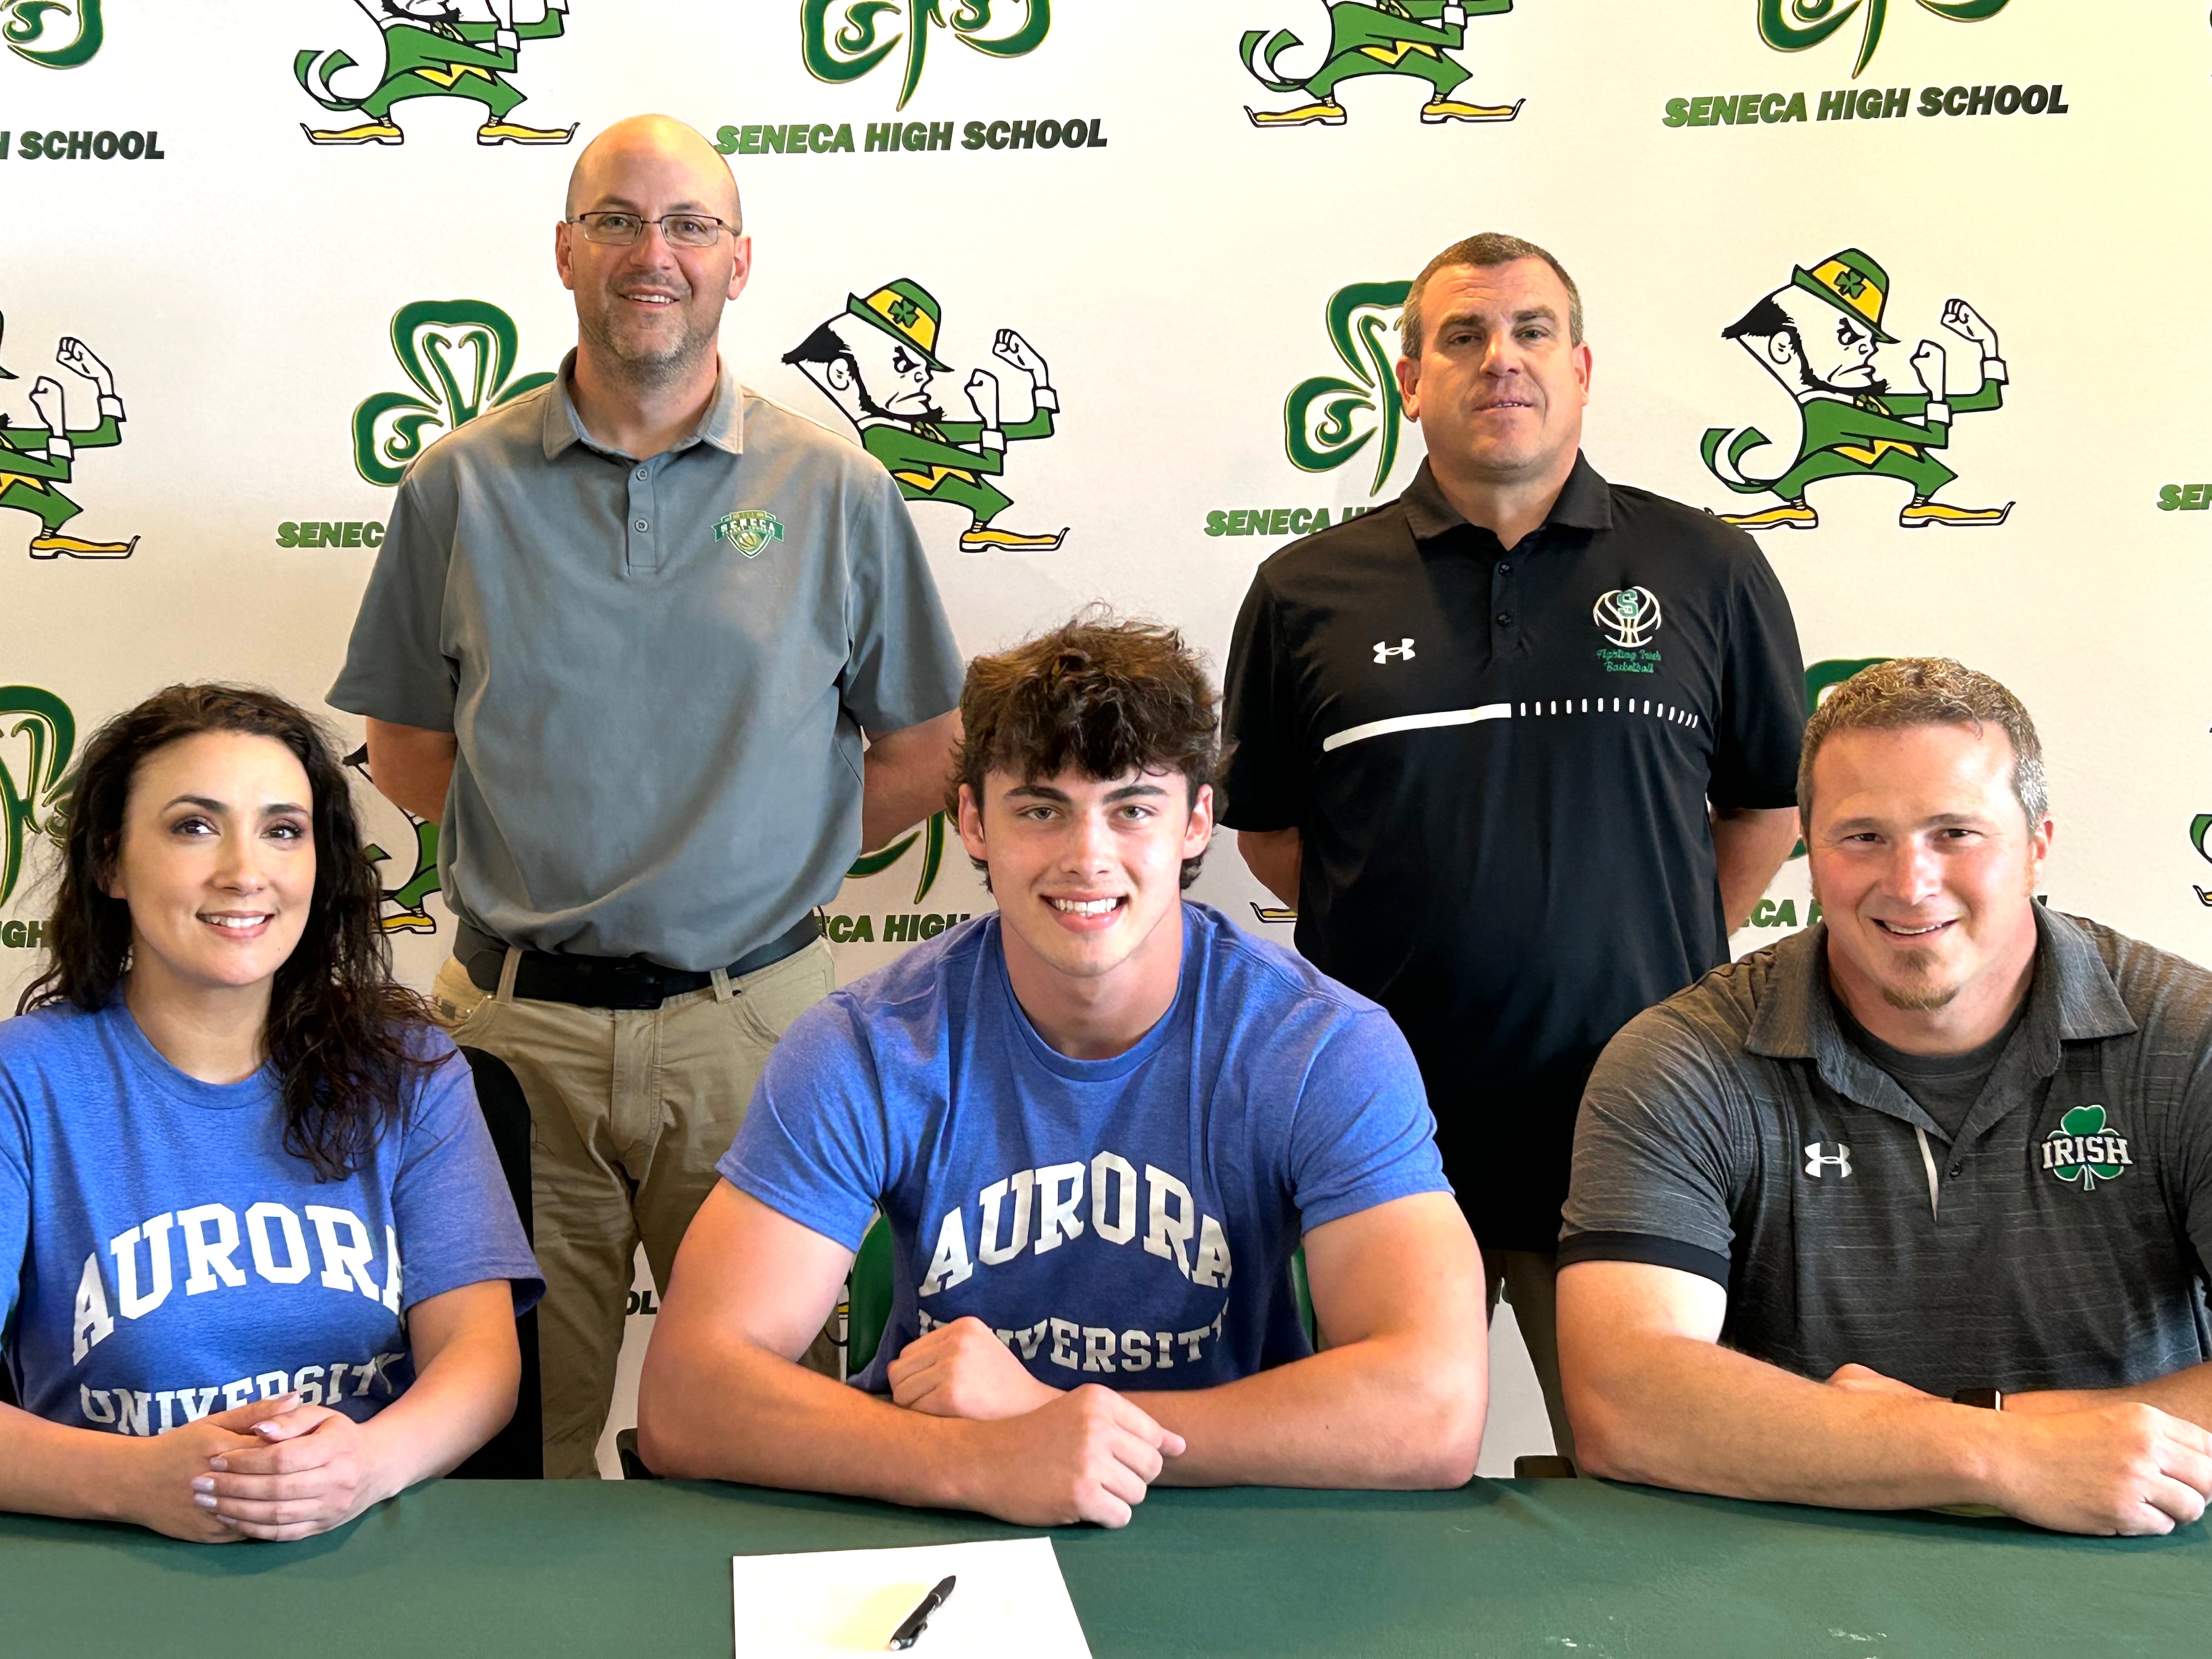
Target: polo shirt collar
{"x": 723, "y": 425}
{"x": 1585, "y": 502}
{"x": 2071, "y": 998}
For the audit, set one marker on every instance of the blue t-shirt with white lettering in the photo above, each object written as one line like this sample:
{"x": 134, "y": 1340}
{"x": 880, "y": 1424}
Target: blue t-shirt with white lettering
{"x": 1127, "y": 1221}
{"x": 162, "y": 1256}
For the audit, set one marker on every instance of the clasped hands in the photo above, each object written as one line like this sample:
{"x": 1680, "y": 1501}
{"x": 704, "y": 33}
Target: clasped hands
{"x": 2079, "y": 1463}
{"x": 273, "y": 1469}
{"x": 1040, "y": 1455}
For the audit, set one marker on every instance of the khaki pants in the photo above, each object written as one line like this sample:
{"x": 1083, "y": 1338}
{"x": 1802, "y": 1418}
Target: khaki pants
{"x": 1527, "y": 1277}
{"x": 630, "y": 1110}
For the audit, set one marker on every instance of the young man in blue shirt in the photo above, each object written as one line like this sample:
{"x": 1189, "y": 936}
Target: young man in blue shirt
{"x": 1099, "y": 1124}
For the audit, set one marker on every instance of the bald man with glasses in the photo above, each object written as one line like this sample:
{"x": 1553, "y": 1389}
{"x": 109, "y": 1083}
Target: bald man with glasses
{"x": 660, "y": 658}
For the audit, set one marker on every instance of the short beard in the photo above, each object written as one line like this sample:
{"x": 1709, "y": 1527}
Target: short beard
{"x": 663, "y": 369}
{"x": 1924, "y": 1001}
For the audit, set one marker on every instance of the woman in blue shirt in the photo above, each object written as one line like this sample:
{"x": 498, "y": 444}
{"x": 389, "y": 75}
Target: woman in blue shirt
{"x": 259, "y": 1268}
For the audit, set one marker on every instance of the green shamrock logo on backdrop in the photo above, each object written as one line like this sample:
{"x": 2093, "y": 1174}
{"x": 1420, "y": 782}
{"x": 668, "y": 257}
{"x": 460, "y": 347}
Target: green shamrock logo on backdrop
{"x": 28, "y": 21}
{"x": 459, "y": 353}
{"x": 1323, "y": 424}
{"x": 931, "y": 838}
{"x": 1797, "y": 25}
{"x": 2080, "y": 1150}
{"x": 37, "y": 802}
{"x": 856, "y": 49}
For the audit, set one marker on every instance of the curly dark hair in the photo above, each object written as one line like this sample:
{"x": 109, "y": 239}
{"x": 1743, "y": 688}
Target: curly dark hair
{"x": 340, "y": 1030}
{"x": 1101, "y": 696}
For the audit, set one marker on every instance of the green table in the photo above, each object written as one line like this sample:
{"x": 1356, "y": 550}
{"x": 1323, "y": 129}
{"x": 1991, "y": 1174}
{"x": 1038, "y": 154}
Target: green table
{"x": 1560, "y": 1568}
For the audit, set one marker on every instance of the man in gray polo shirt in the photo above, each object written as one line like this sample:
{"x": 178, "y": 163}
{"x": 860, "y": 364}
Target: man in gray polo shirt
{"x": 626, "y": 639}
{"x": 1943, "y": 1150}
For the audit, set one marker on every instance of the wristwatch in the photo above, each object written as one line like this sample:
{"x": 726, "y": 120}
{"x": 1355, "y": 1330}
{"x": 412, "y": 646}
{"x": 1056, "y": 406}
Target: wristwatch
{"x": 1990, "y": 1399}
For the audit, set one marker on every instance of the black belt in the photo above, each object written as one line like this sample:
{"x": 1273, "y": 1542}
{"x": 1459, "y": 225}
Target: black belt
{"x": 630, "y": 982}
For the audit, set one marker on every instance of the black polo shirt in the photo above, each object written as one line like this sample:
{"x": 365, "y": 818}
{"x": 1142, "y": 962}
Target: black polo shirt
{"x": 2058, "y": 1240}
{"x": 1499, "y": 764}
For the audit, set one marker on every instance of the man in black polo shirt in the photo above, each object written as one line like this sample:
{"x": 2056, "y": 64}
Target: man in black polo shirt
{"x": 1521, "y": 747}
{"x": 1945, "y": 1148}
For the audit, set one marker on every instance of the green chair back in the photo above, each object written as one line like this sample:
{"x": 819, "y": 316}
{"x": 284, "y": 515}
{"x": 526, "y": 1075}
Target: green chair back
{"x": 868, "y": 1297}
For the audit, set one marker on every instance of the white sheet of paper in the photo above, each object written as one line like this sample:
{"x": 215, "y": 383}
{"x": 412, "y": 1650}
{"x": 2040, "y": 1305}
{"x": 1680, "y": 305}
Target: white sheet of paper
{"x": 1011, "y": 1601}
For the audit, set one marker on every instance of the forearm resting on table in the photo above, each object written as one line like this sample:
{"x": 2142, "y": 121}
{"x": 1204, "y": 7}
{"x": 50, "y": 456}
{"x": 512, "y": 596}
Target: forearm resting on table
{"x": 2186, "y": 1395}
{"x": 718, "y": 1406}
{"x": 468, "y": 1369}
{"x": 51, "y": 1468}
{"x": 1670, "y": 1406}
{"x": 412, "y": 767}
{"x": 1382, "y": 1413}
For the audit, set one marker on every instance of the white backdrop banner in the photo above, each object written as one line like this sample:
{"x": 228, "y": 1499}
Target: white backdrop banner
{"x": 263, "y": 253}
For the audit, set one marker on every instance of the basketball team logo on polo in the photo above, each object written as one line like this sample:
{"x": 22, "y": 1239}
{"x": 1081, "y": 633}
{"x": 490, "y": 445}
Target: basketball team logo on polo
{"x": 1818, "y": 336}
{"x": 2083, "y": 1149}
{"x": 1800, "y": 25}
{"x": 37, "y": 458}
{"x": 1628, "y": 617}
{"x": 841, "y": 41}
{"x": 1327, "y": 420}
{"x": 38, "y": 31}
{"x": 404, "y": 908}
{"x": 1412, "y": 39}
{"x": 749, "y": 531}
{"x": 459, "y": 353}
{"x": 38, "y": 737}
{"x": 460, "y": 49}
{"x": 876, "y": 360}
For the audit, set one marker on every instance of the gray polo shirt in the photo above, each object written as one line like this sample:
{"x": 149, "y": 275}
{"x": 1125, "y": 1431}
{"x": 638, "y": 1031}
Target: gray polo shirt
{"x": 2058, "y": 1241}
{"x": 658, "y": 671}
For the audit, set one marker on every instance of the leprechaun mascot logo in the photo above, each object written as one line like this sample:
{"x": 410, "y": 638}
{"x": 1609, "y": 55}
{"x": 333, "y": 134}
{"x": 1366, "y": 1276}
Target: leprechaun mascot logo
{"x": 404, "y": 910}
{"x": 876, "y": 362}
{"x": 37, "y": 30}
{"x": 36, "y": 460}
{"x": 1411, "y": 37}
{"x": 1817, "y": 335}
{"x": 461, "y": 49}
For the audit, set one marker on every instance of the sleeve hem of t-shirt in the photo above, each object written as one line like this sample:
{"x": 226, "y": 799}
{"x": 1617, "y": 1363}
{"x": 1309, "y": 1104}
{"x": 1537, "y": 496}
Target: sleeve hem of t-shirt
{"x": 372, "y": 708}
{"x": 522, "y": 1275}
{"x": 1238, "y": 818}
{"x": 1650, "y": 1249}
{"x": 1763, "y": 801}
{"x": 1369, "y": 1198}
{"x": 794, "y": 1208}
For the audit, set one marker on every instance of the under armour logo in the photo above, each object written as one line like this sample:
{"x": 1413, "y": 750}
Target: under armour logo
{"x": 1384, "y": 651}
{"x": 1817, "y": 1160}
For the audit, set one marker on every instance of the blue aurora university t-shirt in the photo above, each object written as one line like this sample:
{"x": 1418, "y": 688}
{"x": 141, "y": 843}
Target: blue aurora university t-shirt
{"x": 1127, "y": 1221}
{"x": 162, "y": 1256}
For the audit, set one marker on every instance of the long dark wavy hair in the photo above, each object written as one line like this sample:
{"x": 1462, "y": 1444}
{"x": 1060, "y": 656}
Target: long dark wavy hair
{"x": 340, "y": 1031}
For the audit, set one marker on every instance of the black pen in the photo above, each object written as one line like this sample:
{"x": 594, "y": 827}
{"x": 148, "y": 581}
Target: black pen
{"x": 918, "y": 1621}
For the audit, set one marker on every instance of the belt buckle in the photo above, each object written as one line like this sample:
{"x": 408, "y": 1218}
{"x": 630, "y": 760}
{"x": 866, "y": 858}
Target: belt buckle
{"x": 647, "y": 990}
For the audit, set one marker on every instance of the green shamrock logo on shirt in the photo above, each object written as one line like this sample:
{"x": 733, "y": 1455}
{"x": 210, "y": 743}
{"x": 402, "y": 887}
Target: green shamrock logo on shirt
{"x": 2080, "y": 1149}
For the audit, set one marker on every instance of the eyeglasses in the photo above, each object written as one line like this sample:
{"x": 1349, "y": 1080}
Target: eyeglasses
{"x": 681, "y": 229}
